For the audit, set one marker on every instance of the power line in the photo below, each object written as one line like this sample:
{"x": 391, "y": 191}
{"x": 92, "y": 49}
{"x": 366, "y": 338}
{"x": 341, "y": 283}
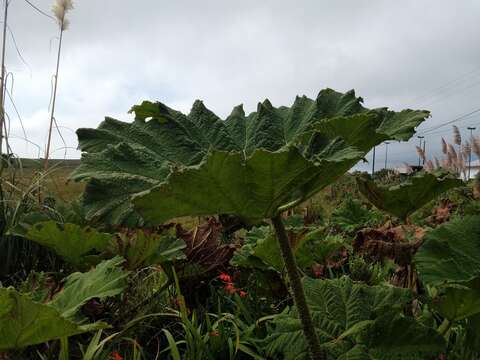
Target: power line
{"x": 459, "y": 118}
{"x": 437, "y": 132}
{"x": 40, "y": 10}
{"x": 440, "y": 89}
{"x": 458, "y": 91}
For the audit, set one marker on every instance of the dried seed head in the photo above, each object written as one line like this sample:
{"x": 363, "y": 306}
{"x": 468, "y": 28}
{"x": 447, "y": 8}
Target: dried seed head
{"x": 476, "y": 186}
{"x": 457, "y": 138}
{"x": 451, "y": 159}
{"x": 444, "y": 146}
{"x": 451, "y": 150}
{"x": 465, "y": 151}
{"x": 429, "y": 166}
{"x": 60, "y": 9}
{"x": 408, "y": 168}
{"x": 460, "y": 163}
{"x": 437, "y": 163}
{"x": 476, "y": 146}
{"x": 420, "y": 152}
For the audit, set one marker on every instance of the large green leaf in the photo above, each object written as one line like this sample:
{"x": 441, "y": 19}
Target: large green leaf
{"x": 354, "y": 321}
{"x": 451, "y": 253}
{"x": 24, "y": 322}
{"x": 105, "y": 280}
{"x": 252, "y": 165}
{"x": 402, "y": 200}
{"x": 458, "y": 303}
{"x": 77, "y": 245}
{"x": 394, "y": 337}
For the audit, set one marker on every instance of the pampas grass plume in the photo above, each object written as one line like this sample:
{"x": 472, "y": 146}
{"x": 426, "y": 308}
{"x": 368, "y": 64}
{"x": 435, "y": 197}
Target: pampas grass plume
{"x": 60, "y": 9}
{"x": 457, "y": 138}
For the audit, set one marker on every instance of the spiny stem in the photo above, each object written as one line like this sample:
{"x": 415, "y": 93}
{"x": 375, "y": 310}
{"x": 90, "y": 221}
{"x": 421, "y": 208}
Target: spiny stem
{"x": 316, "y": 352}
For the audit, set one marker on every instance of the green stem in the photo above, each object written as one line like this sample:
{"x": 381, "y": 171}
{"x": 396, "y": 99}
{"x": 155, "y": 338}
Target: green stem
{"x": 316, "y": 352}
{"x": 64, "y": 349}
{"x": 444, "y": 327}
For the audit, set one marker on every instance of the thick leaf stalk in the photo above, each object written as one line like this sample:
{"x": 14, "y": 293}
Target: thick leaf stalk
{"x": 316, "y": 352}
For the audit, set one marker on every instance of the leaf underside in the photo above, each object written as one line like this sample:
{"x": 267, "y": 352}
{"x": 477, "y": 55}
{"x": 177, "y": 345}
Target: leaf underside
{"x": 248, "y": 165}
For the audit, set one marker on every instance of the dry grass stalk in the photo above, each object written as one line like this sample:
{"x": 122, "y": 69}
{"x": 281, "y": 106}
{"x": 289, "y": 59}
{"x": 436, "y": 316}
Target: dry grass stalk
{"x": 60, "y": 9}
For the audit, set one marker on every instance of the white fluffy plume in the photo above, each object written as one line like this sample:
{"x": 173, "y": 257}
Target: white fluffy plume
{"x": 60, "y": 9}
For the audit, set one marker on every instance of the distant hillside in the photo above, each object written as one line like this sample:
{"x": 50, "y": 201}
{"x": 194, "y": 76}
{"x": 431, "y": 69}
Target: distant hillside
{"x": 38, "y": 163}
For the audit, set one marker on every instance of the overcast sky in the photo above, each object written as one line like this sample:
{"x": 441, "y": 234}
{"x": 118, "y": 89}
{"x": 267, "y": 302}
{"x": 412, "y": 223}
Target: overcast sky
{"x": 400, "y": 54}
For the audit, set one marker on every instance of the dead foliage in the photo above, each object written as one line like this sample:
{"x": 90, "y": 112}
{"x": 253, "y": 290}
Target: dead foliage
{"x": 398, "y": 243}
{"x": 442, "y": 213}
{"x": 204, "y": 245}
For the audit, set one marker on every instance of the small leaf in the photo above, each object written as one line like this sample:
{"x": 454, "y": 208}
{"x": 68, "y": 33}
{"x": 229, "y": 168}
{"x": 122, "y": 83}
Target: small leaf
{"x": 105, "y": 280}
{"x": 74, "y": 243}
{"x": 402, "y": 200}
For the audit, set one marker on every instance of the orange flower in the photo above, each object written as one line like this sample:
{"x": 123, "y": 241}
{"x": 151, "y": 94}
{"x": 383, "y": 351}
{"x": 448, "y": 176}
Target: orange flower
{"x": 229, "y": 288}
{"x": 116, "y": 355}
{"x": 225, "y": 277}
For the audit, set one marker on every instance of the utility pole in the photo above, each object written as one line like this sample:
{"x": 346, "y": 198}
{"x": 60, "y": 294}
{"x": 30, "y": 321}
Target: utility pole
{"x": 420, "y": 146}
{"x": 373, "y": 161}
{"x": 386, "y": 153}
{"x": 2, "y": 71}
{"x": 471, "y": 128}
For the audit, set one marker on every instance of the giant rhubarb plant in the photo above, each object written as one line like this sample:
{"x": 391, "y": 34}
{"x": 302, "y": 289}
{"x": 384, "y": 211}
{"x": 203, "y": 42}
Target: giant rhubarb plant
{"x": 166, "y": 164}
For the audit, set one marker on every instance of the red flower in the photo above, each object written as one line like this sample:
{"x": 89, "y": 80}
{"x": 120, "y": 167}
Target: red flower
{"x": 179, "y": 302}
{"x": 242, "y": 293}
{"x": 225, "y": 277}
{"x": 229, "y": 288}
{"x": 116, "y": 355}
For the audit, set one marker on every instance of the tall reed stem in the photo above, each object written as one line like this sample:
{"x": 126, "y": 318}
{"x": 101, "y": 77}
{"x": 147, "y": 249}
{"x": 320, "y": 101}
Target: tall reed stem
{"x": 52, "y": 113}
{"x": 2, "y": 71}
{"x": 316, "y": 352}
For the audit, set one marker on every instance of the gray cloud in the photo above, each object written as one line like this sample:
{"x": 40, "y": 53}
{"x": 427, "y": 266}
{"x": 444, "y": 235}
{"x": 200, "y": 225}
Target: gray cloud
{"x": 119, "y": 52}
